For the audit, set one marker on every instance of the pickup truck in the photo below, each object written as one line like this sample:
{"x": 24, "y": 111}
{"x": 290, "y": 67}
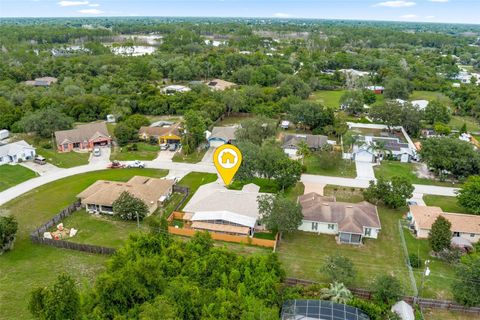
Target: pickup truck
{"x": 136, "y": 164}
{"x": 115, "y": 165}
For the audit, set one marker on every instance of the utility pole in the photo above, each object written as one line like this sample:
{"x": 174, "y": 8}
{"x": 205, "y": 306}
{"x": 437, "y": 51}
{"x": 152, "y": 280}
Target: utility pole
{"x": 426, "y": 273}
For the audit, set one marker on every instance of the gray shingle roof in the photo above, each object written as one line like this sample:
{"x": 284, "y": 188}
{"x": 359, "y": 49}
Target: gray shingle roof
{"x": 82, "y": 132}
{"x": 313, "y": 141}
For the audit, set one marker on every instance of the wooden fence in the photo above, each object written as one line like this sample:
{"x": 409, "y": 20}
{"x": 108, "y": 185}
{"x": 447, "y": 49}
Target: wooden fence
{"x": 422, "y": 302}
{"x": 185, "y": 191}
{"x": 37, "y": 235}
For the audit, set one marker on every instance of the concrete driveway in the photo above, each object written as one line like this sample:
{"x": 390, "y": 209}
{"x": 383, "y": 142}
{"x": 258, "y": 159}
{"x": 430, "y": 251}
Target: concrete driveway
{"x": 208, "y": 157}
{"x": 313, "y": 187}
{"x": 365, "y": 170}
{"x": 41, "y": 169}
{"x": 103, "y": 158}
{"x": 165, "y": 155}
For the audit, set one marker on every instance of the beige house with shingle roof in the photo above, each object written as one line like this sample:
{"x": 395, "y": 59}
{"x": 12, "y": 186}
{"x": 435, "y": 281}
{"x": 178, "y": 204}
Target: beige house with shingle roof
{"x": 100, "y": 196}
{"x": 350, "y": 221}
{"x": 219, "y": 84}
{"x": 466, "y": 226}
{"x": 83, "y": 137}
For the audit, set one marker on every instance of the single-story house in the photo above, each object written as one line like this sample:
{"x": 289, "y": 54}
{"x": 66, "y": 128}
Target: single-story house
{"x": 367, "y": 149}
{"x": 175, "y": 88}
{"x": 16, "y": 152}
{"x": 215, "y": 208}
{"x": 364, "y": 153}
{"x": 354, "y": 73}
{"x": 41, "y": 82}
{"x": 285, "y": 124}
{"x": 376, "y": 89}
{"x": 350, "y": 221}
{"x": 100, "y": 196}
{"x": 166, "y": 134}
{"x": 221, "y": 135}
{"x": 291, "y": 142}
{"x": 219, "y": 84}
{"x": 466, "y": 226}
{"x": 83, "y": 137}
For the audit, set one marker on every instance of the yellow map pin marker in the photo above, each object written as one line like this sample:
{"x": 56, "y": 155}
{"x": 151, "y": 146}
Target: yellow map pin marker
{"x": 227, "y": 159}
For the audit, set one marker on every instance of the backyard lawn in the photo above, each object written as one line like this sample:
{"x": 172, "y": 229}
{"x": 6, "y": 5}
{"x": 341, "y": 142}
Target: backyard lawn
{"x": 232, "y": 120}
{"x": 303, "y": 253}
{"x": 329, "y": 98}
{"x": 190, "y": 158}
{"x": 448, "y": 315}
{"x": 13, "y": 175}
{"x": 437, "y": 284}
{"x": 448, "y": 204}
{"x": 430, "y": 96}
{"x": 145, "y": 152}
{"x": 389, "y": 169}
{"x": 329, "y": 164}
{"x": 457, "y": 122}
{"x": 65, "y": 159}
{"x": 30, "y": 265}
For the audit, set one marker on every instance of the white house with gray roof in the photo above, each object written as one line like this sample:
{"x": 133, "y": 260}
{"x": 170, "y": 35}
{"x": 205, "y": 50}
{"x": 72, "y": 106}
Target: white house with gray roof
{"x": 221, "y": 135}
{"x": 16, "y": 152}
{"x": 215, "y": 208}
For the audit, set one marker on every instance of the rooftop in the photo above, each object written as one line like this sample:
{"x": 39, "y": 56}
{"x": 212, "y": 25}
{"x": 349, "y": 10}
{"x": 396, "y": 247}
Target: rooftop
{"x": 425, "y": 216}
{"x": 313, "y": 141}
{"x": 82, "y": 133}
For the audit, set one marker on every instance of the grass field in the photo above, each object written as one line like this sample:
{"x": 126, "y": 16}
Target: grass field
{"x": 303, "y": 253}
{"x": 448, "y": 204}
{"x": 145, "y": 152}
{"x": 457, "y": 122}
{"x": 448, "y": 315}
{"x": 64, "y": 160}
{"x": 344, "y": 194}
{"x": 389, "y": 169}
{"x": 430, "y": 96}
{"x": 437, "y": 285}
{"x": 229, "y": 121}
{"x": 13, "y": 175}
{"x": 31, "y": 265}
{"x": 329, "y": 98}
{"x": 330, "y": 164}
{"x": 191, "y": 158}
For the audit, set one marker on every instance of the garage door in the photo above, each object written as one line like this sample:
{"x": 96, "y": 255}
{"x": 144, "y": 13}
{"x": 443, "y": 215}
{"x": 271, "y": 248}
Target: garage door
{"x": 216, "y": 143}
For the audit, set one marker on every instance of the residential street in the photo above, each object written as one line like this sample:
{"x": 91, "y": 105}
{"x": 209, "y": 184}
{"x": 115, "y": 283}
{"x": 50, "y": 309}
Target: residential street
{"x": 180, "y": 169}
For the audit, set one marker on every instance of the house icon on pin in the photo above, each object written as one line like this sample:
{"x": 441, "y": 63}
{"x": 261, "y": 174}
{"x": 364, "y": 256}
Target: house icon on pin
{"x": 228, "y": 157}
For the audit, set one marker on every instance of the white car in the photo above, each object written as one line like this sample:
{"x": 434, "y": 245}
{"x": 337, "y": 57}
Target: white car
{"x": 136, "y": 164}
{"x": 97, "y": 152}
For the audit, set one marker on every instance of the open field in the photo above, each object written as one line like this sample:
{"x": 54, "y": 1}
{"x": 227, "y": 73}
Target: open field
{"x": 448, "y": 315}
{"x": 232, "y": 120}
{"x": 457, "y": 122}
{"x": 329, "y": 98}
{"x": 389, "y": 169}
{"x": 195, "y": 157}
{"x": 144, "y": 152}
{"x": 303, "y": 253}
{"x": 31, "y": 265}
{"x": 430, "y": 96}
{"x": 344, "y": 194}
{"x": 329, "y": 164}
{"x": 12, "y": 175}
{"x": 448, "y": 204}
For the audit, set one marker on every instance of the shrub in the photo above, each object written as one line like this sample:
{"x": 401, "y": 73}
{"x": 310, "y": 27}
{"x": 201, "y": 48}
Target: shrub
{"x": 8, "y": 230}
{"x": 387, "y": 289}
{"x": 373, "y": 310}
{"x": 415, "y": 261}
{"x": 128, "y": 207}
{"x": 47, "y": 145}
{"x": 339, "y": 269}
{"x": 132, "y": 147}
{"x": 450, "y": 255}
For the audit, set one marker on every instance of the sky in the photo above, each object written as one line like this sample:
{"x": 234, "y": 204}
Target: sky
{"x": 450, "y": 11}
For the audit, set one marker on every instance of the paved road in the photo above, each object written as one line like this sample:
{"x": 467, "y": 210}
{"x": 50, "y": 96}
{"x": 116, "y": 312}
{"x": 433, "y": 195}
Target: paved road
{"x": 184, "y": 168}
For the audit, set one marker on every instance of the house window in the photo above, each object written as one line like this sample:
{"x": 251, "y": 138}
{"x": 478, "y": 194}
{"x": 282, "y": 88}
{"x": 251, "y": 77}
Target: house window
{"x": 65, "y": 146}
{"x": 76, "y": 145}
{"x": 456, "y": 234}
{"x": 331, "y": 226}
{"x": 368, "y": 232}
{"x": 472, "y": 235}
{"x": 314, "y": 225}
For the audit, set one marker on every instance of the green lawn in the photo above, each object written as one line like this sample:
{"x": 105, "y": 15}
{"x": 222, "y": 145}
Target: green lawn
{"x": 448, "y": 204}
{"x": 144, "y": 152}
{"x": 303, "y": 253}
{"x": 344, "y": 194}
{"x": 329, "y": 164}
{"x": 30, "y": 265}
{"x": 233, "y": 120}
{"x": 329, "y": 98}
{"x": 190, "y": 158}
{"x": 437, "y": 285}
{"x": 457, "y": 122}
{"x": 430, "y": 96}
{"x": 100, "y": 230}
{"x": 297, "y": 190}
{"x": 13, "y": 175}
{"x": 194, "y": 180}
{"x": 436, "y": 314}
{"x": 389, "y": 169}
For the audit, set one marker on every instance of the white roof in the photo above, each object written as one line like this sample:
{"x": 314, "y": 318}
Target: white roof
{"x": 176, "y": 87}
{"x": 226, "y": 216}
{"x": 14, "y": 148}
{"x": 214, "y": 199}
{"x": 404, "y": 310}
{"x": 420, "y": 104}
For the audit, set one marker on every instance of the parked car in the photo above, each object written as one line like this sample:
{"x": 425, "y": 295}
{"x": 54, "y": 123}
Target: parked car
{"x": 40, "y": 160}
{"x": 173, "y": 147}
{"x": 115, "y": 165}
{"x": 412, "y": 203}
{"x": 164, "y": 146}
{"x": 97, "y": 152}
{"x": 136, "y": 164}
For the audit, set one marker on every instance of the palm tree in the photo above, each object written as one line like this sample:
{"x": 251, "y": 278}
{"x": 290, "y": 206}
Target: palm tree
{"x": 337, "y": 292}
{"x": 303, "y": 150}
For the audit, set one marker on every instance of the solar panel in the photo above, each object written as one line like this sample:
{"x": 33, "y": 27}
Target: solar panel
{"x": 321, "y": 309}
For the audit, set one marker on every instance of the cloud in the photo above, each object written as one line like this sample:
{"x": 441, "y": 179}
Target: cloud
{"x": 282, "y": 15}
{"x": 409, "y": 16}
{"x": 441, "y": 1}
{"x": 72, "y": 3}
{"x": 90, "y": 11}
{"x": 396, "y": 4}
{"x": 94, "y": 5}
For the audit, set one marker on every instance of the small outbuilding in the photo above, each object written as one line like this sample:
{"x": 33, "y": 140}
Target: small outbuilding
{"x": 404, "y": 310}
